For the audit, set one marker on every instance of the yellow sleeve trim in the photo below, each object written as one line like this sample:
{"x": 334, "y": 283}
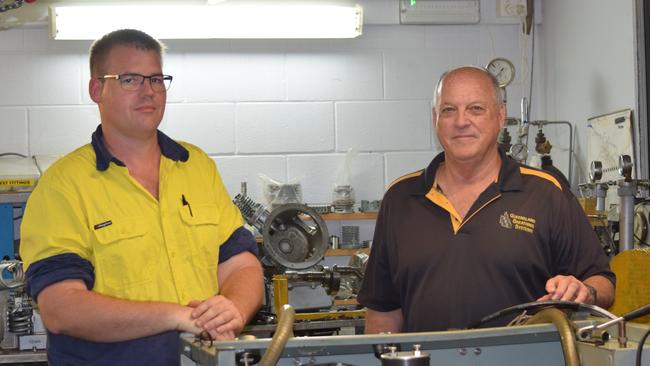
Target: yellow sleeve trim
{"x": 541, "y": 174}
{"x": 403, "y": 177}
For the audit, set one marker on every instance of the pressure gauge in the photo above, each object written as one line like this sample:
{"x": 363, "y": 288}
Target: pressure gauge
{"x": 595, "y": 171}
{"x": 503, "y": 70}
{"x": 519, "y": 152}
{"x": 625, "y": 166}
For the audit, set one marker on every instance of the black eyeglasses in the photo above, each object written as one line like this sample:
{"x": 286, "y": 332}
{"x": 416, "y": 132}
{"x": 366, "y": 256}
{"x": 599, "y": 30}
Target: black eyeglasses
{"x": 132, "y": 82}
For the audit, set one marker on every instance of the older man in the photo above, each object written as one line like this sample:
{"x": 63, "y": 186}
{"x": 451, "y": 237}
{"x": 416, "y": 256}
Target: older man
{"x": 476, "y": 232}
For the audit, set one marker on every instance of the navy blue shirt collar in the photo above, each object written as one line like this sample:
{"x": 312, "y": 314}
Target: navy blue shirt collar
{"x": 168, "y": 147}
{"x": 509, "y": 174}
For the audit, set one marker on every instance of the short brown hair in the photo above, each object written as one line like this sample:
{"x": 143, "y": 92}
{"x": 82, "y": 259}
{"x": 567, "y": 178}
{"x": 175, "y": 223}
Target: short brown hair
{"x": 123, "y": 37}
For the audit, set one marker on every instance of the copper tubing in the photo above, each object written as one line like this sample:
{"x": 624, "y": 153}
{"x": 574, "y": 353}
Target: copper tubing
{"x": 283, "y": 332}
{"x": 564, "y": 327}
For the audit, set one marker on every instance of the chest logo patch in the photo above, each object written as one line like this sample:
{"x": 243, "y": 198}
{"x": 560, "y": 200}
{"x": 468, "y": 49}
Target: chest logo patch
{"x": 517, "y": 222}
{"x": 504, "y": 220}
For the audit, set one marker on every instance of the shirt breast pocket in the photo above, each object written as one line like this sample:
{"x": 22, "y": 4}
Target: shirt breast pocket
{"x": 201, "y": 226}
{"x": 123, "y": 255}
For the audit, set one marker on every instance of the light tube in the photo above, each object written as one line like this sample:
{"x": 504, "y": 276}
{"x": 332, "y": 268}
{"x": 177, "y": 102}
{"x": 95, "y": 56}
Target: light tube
{"x": 248, "y": 20}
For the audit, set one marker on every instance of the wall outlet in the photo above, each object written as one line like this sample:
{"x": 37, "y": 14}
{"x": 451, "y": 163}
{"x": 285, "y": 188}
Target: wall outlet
{"x": 512, "y": 8}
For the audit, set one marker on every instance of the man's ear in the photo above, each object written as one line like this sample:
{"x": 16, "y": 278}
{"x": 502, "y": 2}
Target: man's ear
{"x": 502, "y": 115}
{"x": 434, "y": 116}
{"x": 95, "y": 89}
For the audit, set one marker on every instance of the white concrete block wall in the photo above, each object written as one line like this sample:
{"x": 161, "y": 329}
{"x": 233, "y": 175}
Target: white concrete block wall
{"x": 384, "y": 126}
{"x": 334, "y": 75}
{"x": 289, "y": 109}
{"x": 208, "y": 126}
{"x": 58, "y": 130}
{"x": 13, "y": 125}
{"x": 273, "y": 127}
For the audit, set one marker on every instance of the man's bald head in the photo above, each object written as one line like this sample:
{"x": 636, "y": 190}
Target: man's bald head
{"x": 478, "y": 72}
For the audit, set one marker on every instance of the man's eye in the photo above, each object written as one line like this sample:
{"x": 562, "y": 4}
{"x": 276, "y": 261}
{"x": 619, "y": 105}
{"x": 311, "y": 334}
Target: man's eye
{"x": 156, "y": 80}
{"x": 127, "y": 79}
{"x": 447, "y": 110}
{"x": 476, "y": 109}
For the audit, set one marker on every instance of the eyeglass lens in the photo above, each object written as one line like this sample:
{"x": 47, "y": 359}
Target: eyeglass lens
{"x": 133, "y": 81}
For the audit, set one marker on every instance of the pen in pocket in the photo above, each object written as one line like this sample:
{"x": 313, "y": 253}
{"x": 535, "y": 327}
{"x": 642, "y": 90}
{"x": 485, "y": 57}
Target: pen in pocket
{"x": 185, "y": 203}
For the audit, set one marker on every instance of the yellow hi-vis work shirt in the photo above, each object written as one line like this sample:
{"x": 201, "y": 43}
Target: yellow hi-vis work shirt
{"x": 141, "y": 248}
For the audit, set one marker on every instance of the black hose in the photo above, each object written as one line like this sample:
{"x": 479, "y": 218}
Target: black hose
{"x": 640, "y": 348}
{"x": 538, "y": 305}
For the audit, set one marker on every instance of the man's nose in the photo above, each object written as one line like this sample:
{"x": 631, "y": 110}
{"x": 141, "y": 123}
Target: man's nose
{"x": 146, "y": 87}
{"x": 463, "y": 119}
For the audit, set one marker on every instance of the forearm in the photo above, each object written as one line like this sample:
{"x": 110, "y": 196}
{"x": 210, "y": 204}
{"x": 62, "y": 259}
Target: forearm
{"x": 384, "y": 321}
{"x": 245, "y": 288}
{"x": 604, "y": 289}
{"x": 69, "y": 308}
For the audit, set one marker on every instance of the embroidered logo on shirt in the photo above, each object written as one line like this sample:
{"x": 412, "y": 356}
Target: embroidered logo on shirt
{"x": 517, "y": 222}
{"x": 504, "y": 220}
{"x": 103, "y": 224}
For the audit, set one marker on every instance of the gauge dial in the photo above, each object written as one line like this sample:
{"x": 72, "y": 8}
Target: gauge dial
{"x": 519, "y": 152}
{"x": 596, "y": 171}
{"x": 503, "y": 70}
{"x": 625, "y": 166}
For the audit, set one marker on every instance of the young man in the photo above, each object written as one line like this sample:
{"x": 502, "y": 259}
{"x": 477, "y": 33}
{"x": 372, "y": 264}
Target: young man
{"x": 132, "y": 238}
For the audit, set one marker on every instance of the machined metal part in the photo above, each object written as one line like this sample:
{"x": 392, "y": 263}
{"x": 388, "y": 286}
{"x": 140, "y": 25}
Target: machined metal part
{"x": 532, "y": 345}
{"x": 601, "y": 195}
{"x": 343, "y": 198}
{"x": 329, "y": 278}
{"x": 295, "y": 236}
{"x": 19, "y": 313}
{"x": 588, "y": 332}
{"x": 409, "y": 358}
{"x": 370, "y": 206}
{"x": 626, "y": 192}
{"x": 254, "y": 213}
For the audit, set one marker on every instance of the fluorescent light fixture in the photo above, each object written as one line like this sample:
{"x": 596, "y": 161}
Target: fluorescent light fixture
{"x": 241, "y": 19}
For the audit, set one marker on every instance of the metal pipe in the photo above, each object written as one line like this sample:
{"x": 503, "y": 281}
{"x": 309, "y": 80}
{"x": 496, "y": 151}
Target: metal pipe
{"x": 601, "y": 194}
{"x": 283, "y": 332}
{"x": 585, "y": 332}
{"x": 626, "y": 192}
{"x": 564, "y": 328}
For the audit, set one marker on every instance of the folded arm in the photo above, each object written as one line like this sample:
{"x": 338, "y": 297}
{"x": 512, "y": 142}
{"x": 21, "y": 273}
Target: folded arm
{"x": 241, "y": 287}
{"x": 69, "y": 308}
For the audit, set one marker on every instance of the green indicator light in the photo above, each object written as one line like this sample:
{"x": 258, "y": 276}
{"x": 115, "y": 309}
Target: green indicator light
{"x": 413, "y": 2}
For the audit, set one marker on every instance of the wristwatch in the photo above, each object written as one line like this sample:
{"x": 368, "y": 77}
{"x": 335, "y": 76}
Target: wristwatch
{"x": 593, "y": 293}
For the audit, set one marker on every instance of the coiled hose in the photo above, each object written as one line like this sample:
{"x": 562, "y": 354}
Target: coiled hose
{"x": 283, "y": 332}
{"x": 15, "y": 268}
{"x": 564, "y": 327}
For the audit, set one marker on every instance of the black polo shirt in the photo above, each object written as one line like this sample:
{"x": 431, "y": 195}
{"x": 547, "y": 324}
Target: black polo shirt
{"x": 444, "y": 272}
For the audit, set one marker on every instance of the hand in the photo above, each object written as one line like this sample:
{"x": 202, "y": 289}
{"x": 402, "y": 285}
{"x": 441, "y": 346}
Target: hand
{"x": 218, "y": 316}
{"x": 566, "y": 288}
{"x": 185, "y": 322}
